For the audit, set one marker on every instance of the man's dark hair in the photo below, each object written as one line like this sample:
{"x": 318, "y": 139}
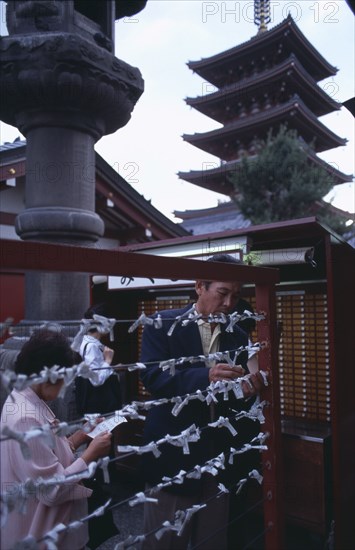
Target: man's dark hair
{"x": 45, "y": 348}
{"x": 222, "y": 258}
{"x": 248, "y": 325}
{"x": 225, "y": 258}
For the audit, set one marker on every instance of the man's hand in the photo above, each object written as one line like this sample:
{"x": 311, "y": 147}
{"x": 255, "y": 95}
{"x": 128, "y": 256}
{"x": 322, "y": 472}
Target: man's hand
{"x": 253, "y": 385}
{"x": 222, "y": 371}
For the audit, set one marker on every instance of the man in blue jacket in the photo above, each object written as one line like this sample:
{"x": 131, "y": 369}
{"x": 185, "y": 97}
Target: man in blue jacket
{"x": 194, "y": 339}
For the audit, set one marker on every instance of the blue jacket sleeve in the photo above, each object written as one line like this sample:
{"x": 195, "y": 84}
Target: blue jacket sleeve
{"x": 158, "y": 346}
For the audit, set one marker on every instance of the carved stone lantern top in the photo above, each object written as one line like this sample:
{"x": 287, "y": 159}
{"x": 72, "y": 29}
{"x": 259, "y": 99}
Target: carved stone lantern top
{"x": 58, "y": 66}
{"x": 90, "y": 19}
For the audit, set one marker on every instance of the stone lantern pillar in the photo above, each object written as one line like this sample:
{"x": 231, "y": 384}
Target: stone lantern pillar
{"x": 63, "y": 87}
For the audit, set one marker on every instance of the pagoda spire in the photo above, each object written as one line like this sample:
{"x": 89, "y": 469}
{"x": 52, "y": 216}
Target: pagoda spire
{"x": 262, "y": 14}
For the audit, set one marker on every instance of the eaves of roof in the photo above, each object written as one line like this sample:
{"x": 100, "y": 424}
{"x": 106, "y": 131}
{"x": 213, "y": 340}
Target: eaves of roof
{"x": 136, "y": 200}
{"x": 291, "y": 68}
{"x": 202, "y": 177}
{"x": 16, "y": 152}
{"x": 253, "y": 123}
{"x": 300, "y": 232}
{"x": 287, "y": 29}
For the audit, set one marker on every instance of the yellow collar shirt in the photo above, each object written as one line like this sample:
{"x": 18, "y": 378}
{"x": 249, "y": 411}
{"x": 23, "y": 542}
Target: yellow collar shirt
{"x": 209, "y": 337}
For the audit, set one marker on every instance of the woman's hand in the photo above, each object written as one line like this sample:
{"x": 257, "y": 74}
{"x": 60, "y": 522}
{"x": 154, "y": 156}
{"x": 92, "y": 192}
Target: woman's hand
{"x": 80, "y": 437}
{"x": 99, "y": 447}
{"x": 108, "y": 354}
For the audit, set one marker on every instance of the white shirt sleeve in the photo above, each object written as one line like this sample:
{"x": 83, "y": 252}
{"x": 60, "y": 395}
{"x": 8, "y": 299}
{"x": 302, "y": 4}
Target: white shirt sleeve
{"x": 94, "y": 358}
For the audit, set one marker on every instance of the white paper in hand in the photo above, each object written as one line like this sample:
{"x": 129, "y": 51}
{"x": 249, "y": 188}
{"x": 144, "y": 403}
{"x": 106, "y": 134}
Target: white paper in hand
{"x": 107, "y": 425}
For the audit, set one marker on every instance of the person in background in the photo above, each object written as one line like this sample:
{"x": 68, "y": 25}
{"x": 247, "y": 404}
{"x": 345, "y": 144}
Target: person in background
{"x": 196, "y": 338}
{"x": 103, "y": 396}
{"x": 27, "y": 410}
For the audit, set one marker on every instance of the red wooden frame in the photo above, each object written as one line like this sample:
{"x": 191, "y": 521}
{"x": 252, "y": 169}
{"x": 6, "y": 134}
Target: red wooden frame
{"x": 28, "y": 256}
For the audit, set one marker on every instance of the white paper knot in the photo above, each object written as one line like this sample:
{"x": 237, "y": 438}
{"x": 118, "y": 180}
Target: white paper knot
{"x": 140, "y": 498}
{"x": 102, "y": 324}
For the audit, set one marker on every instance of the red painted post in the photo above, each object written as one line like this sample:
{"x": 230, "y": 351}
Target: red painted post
{"x": 273, "y": 483}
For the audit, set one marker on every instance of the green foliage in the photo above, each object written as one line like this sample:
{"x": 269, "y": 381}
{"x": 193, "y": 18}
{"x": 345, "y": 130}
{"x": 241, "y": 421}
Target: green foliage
{"x": 280, "y": 183}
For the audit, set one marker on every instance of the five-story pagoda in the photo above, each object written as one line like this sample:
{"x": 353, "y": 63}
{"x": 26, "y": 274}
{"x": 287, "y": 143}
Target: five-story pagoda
{"x": 270, "y": 80}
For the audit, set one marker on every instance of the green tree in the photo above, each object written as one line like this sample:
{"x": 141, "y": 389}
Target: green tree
{"x": 282, "y": 183}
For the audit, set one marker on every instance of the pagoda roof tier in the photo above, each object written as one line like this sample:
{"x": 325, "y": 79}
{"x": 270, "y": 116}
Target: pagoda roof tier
{"x": 224, "y": 142}
{"x": 282, "y": 40}
{"x": 287, "y": 78}
{"x": 217, "y": 179}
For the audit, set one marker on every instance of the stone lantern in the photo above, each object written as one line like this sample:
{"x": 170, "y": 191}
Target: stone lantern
{"x": 63, "y": 88}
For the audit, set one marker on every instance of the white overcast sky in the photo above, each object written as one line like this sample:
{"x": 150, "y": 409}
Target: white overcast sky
{"x": 160, "y": 40}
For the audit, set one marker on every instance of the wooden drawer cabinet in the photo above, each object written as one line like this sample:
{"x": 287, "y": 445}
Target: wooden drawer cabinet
{"x": 308, "y": 482}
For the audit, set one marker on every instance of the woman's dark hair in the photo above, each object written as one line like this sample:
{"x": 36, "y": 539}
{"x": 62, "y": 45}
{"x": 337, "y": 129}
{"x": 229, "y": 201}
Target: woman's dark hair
{"x": 45, "y": 348}
{"x": 97, "y": 309}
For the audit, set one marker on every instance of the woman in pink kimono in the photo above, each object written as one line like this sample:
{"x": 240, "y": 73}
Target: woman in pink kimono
{"x": 26, "y": 410}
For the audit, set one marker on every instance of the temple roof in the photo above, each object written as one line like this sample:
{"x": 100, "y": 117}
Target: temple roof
{"x": 217, "y": 179}
{"x": 226, "y": 216}
{"x": 129, "y": 213}
{"x": 222, "y": 105}
{"x": 283, "y": 39}
{"x": 223, "y": 217}
{"x": 223, "y": 142}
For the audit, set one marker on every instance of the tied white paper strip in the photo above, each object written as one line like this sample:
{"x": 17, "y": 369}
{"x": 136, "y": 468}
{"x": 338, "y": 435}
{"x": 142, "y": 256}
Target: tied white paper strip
{"x": 244, "y": 449}
{"x": 186, "y": 516}
{"x": 51, "y": 537}
{"x": 171, "y": 364}
{"x": 140, "y": 498}
{"x": 192, "y": 318}
{"x": 28, "y": 543}
{"x": 136, "y": 366}
{"x": 222, "y": 488}
{"x": 265, "y": 378}
{"x": 212, "y": 466}
{"x": 181, "y": 318}
{"x": 22, "y": 438}
{"x": 177, "y": 479}
{"x": 235, "y": 317}
{"x": 102, "y": 324}
{"x": 260, "y": 438}
{"x": 139, "y": 450}
{"x": 144, "y": 320}
{"x": 240, "y": 485}
{"x": 19, "y": 493}
{"x": 254, "y": 474}
{"x": 191, "y": 315}
{"x": 181, "y": 520}
{"x": 217, "y": 318}
{"x": 130, "y": 411}
{"x": 223, "y": 422}
{"x": 190, "y": 435}
{"x": 10, "y": 380}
